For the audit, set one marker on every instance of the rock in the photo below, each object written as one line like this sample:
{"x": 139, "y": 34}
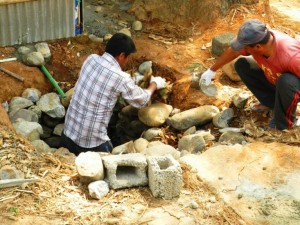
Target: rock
{"x": 25, "y": 114}
{"x": 36, "y": 110}
{"x": 124, "y": 148}
{"x": 155, "y": 143}
{"x": 19, "y": 103}
{"x": 34, "y": 59}
{"x": 240, "y": 99}
{"x": 175, "y": 111}
{"x": 66, "y": 101}
{"x": 10, "y": 172}
{"x": 58, "y": 129}
{"x": 23, "y": 50}
{"x": 65, "y": 156}
{"x": 151, "y": 133}
{"x": 232, "y": 129}
{"x": 107, "y": 37}
{"x": 222, "y": 119}
{"x": 161, "y": 150}
{"x": 95, "y": 39}
{"x": 193, "y": 143}
{"x": 264, "y": 175}
{"x": 31, "y": 130}
{"x": 50, "y": 104}
{"x": 137, "y": 25}
{"x": 31, "y": 94}
{"x": 155, "y": 115}
{"x": 140, "y": 145}
{"x": 5, "y": 106}
{"x": 91, "y": 171}
{"x": 125, "y": 31}
{"x": 41, "y": 146}
{"x": 98, "y": 189}
{"x": 189, "y": 131}
{"x": 231, "y": 138}
{"x": 145, "y": 68}
{"x": 188, "y": 220}
{"x": 207, "y": 136}
{"x": 44, "y": 49}
{"x": 98, "y": 9}
{"x": 193, "y": 117}
{"x": 194, "y": 204}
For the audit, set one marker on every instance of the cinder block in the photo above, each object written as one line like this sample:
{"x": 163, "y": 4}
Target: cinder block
{"x": 126, "y": 170}
{"x": 221, "y": 42}
{"x": 165, "y": 176}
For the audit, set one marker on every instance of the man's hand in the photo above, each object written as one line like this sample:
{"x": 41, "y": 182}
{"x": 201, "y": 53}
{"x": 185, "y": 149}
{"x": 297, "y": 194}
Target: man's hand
{"x": 206, "y": 77}
{"x": 160, "y": 82}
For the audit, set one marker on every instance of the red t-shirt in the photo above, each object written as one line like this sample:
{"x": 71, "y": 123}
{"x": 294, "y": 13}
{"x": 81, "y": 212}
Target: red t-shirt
{"x": 285, "y": 58}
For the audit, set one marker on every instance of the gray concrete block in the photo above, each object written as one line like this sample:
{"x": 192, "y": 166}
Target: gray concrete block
{"x": 221, "y": 42}
{"x": 165, "y": 176}
{"x": 126, "y": 170}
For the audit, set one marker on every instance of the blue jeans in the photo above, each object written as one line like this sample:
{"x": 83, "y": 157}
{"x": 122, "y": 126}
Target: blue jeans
{"x": 76, "y": 149}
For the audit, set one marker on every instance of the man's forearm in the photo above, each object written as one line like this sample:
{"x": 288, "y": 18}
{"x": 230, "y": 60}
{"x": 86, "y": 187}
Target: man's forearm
{"x": 225, "y": 58}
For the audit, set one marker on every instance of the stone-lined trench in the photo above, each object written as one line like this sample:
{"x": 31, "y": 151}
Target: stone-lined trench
{"x": 159, "y": 120}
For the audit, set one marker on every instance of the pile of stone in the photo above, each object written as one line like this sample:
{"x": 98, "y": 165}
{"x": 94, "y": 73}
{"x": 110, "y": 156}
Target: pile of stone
{"x": 41, "y": 119}
{"x": 37, "y": 117}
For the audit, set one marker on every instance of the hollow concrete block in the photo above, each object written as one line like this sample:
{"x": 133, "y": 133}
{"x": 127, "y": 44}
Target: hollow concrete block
{"x": 126, "y": 170}
{"x": 165, "y": 176}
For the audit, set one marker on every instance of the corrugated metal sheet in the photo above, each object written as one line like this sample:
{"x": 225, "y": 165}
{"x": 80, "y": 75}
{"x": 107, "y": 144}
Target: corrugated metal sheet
{"x": 36, "y": 21}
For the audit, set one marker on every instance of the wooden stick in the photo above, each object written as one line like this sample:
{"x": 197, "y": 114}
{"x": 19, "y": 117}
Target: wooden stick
{"x": 12, "y": 74}
{"x": 78, "y": 13}
{"x": 16, "y": 182}
{"x": 7, "y": 60}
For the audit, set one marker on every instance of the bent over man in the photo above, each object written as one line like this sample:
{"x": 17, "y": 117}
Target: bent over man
{"x": 96, "y": 92}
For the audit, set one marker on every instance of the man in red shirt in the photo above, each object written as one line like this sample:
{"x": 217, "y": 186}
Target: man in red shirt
{"x": 275, "y": 82}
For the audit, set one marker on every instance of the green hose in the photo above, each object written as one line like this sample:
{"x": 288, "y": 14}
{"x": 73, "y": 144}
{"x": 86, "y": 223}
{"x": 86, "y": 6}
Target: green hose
{"x": 53, "y": 82}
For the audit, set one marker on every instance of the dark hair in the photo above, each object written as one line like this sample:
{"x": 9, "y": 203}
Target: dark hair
{"x": 119, "y": 43}
{"x": 263, "y": 41}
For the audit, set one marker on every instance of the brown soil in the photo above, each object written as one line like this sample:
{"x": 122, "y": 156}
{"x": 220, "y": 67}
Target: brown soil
{"x": 171, "y": 61}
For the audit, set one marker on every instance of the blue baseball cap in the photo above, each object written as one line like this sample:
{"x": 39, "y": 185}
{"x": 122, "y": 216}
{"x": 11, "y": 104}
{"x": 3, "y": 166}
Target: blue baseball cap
{"x": 251, "y": 32}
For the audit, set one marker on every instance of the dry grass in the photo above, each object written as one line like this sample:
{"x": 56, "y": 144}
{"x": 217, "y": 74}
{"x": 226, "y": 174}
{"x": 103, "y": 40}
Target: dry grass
{"x": 59, "y": 197}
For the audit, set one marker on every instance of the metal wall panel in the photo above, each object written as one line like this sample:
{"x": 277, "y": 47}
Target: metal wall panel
{"x": 35, "y": 21}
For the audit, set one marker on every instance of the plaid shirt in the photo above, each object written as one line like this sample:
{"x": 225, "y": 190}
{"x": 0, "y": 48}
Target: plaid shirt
{"x": 100, "y": 83}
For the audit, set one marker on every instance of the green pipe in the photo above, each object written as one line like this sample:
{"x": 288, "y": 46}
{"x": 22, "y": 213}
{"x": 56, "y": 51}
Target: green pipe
{"x": 53, "y": 82}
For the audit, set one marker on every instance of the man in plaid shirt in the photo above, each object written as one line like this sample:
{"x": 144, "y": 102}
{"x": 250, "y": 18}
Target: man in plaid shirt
{"x": 100, "y": 83}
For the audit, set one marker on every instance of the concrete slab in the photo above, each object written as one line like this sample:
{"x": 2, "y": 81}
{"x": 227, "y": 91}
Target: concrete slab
{"x": 260, "y": 181}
